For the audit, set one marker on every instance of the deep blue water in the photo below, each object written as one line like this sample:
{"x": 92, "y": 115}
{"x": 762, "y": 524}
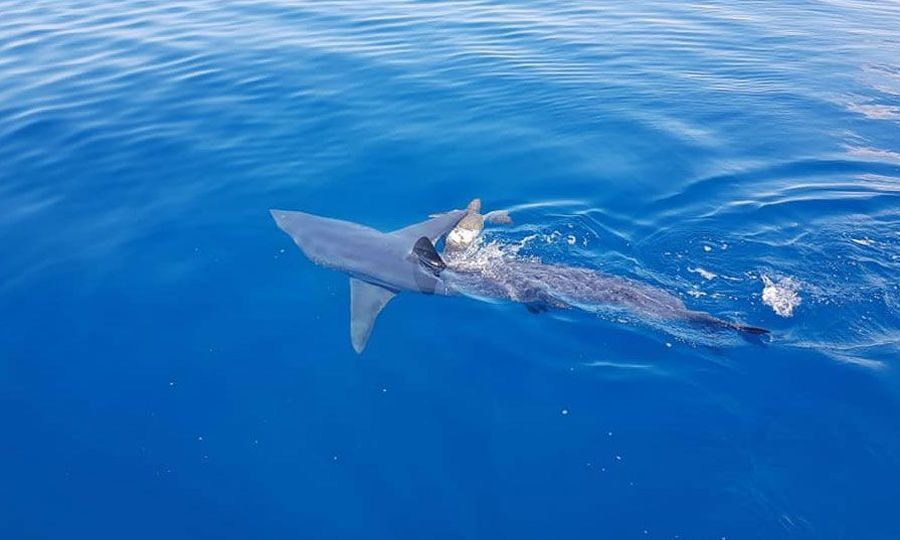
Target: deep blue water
{"x": 171, "y": 366}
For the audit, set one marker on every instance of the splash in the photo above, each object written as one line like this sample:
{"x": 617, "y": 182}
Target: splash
{"x": 485, "y": 256}
{"x": 781, "y": 296}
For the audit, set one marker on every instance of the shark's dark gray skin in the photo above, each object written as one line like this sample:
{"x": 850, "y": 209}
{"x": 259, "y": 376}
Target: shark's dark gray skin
{"x": 380, "y": 265}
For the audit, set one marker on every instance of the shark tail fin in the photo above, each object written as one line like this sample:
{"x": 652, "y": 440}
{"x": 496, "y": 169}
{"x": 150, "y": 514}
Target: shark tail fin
{"x": 428, "y": 256}
{"x": 366, "y": 302}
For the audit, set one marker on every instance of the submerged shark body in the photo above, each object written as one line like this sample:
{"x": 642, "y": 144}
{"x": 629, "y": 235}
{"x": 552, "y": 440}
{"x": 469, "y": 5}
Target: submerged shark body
{"x": 380, "y": 265}
{"x": 542, "y": 286}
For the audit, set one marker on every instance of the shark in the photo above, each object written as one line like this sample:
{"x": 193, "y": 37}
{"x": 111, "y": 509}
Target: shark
{"x": 381, "y": 265}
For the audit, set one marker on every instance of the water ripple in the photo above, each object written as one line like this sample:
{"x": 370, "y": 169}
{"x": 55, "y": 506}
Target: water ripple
{"x": 646, "y": 131}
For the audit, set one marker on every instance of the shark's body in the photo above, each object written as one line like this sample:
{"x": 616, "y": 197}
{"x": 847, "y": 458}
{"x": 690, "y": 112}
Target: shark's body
{"x": 380, "y": 265}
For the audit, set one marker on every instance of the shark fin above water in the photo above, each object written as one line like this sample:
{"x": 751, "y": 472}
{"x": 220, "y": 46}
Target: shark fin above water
{"x": 366, "y": 302}
{"x": 368, "y": 252}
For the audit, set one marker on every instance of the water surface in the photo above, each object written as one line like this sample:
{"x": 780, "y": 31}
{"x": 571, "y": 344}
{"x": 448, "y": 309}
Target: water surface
{"x": 171, "y": 366}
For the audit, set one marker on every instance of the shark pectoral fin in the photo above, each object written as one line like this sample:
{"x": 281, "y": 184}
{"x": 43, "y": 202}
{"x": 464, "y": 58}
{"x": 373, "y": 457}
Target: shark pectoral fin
{"x": 366, "y": 302}
{"x": 428, "y": 256}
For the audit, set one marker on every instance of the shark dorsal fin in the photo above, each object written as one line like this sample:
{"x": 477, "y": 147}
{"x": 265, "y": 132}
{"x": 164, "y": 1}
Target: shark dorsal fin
{"x": 428, "y": 256}
{"x": 366, "y": 302}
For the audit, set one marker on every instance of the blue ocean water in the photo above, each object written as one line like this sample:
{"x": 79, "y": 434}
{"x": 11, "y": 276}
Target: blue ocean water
{"x": 171, "y": 366}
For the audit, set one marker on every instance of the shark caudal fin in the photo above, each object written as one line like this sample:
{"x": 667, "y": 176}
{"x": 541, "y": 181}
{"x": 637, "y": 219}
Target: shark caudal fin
{"x": 366, "y": 302}
{"x": 367, "y": 299}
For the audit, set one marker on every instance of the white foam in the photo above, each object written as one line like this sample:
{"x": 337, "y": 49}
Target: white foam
{"x": 705, "y": 274}
{"x": 781, "y": 296}
{"x": 617, "y": 365}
